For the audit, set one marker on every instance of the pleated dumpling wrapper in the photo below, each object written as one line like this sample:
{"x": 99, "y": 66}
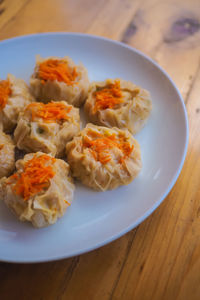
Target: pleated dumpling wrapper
{"x": 104, "y": 158}
{"x": 40, "y": 191}
{"x": 47, "y": 127}
{"x": 14, "y": 96}
{"x": 118, "y": 103}
{"x": 59, "y": 79}
{"x": 7, "y": 155}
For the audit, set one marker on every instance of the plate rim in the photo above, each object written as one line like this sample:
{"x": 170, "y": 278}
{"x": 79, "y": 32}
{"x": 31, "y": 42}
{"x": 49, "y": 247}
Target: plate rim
{"x": 173, "y": 179}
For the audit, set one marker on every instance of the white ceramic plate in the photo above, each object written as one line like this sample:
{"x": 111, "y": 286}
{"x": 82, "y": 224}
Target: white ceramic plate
{"x": 96, "y": 218}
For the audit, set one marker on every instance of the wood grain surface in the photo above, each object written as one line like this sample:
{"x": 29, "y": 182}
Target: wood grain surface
{"x": 160, "y": 259}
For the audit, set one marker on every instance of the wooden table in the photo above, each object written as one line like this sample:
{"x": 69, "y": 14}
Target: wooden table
{"x": 160, "y": 259}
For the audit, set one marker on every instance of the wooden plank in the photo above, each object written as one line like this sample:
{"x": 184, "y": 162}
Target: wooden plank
{"x": 114, "y": 18}
{"x": 59, "y": 280}
{"x": 42, "y": 16}
{"x": 9, "y": 9}
{"x": 34, "y": 281}
{"x": 97, "y": 17}
{"x": 97, "y": 271}
{"x": 169, "y": 32}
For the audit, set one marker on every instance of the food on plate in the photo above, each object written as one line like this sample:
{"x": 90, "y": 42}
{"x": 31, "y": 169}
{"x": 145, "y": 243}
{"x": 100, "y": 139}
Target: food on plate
{"x": 118, "y": 103}
{"x": 14, "y": 96}
{"x": 47, "y": 127}
{"x": 59, "y": 79}
{"x": 7, "y": 155}
{"x": 104, "y": 158}
{"x": 40, "y": 191}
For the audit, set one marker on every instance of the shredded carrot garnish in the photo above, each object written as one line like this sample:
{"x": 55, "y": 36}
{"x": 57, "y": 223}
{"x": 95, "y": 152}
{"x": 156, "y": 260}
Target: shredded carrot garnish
{"x": 1, "y": 146}
{"x": 14, "y": 176}
{"x": 94, "y": 134}
{"x": 54, "y": 69}
{"x": 5, "y": 92}
{"x": 35, "y": 176}
{"x": 99, "y": 147}
{"x": 50, "y": 112}
{"x": 67, "y": 202}
{"x": 108, "y": 97}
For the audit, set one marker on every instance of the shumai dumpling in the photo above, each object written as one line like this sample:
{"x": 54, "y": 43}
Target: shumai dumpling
{"x": 47, "y": 127}
{"x": 59, "y": 79}
{"x": 104, "y": 158}
{"x": 118, "y": 103}
{"x": 7, "y": 155}
{"x": 40, "y": 191}
{"x": 14, "y": 96}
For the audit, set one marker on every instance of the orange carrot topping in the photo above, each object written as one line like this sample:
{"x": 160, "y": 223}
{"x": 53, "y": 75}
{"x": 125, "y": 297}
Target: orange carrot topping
{"x": 67, "y": 202}
{"x": 35, "y": 176}
{"x": 50, "y": 112}
{"x": 108, "y": 97}
{"x": 1, "y": 146}
{"x": 5, "y": 92}
{"x": 14, "y": 176}
{"x": 94, "y": 134}
{"x": 54, "y": 69}
{"x": 100, "y": 146}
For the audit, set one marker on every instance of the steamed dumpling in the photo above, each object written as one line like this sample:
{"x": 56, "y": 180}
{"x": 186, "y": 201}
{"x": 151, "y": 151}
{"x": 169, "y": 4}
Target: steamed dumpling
{"x": 59, "y": 79}
{"x": 14, "y": 96}
{"x": 47, "y": 127}
{"x": 118, "y": 103}
{"x": 104, "y": 158}
{"x": 40, "y": 191}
